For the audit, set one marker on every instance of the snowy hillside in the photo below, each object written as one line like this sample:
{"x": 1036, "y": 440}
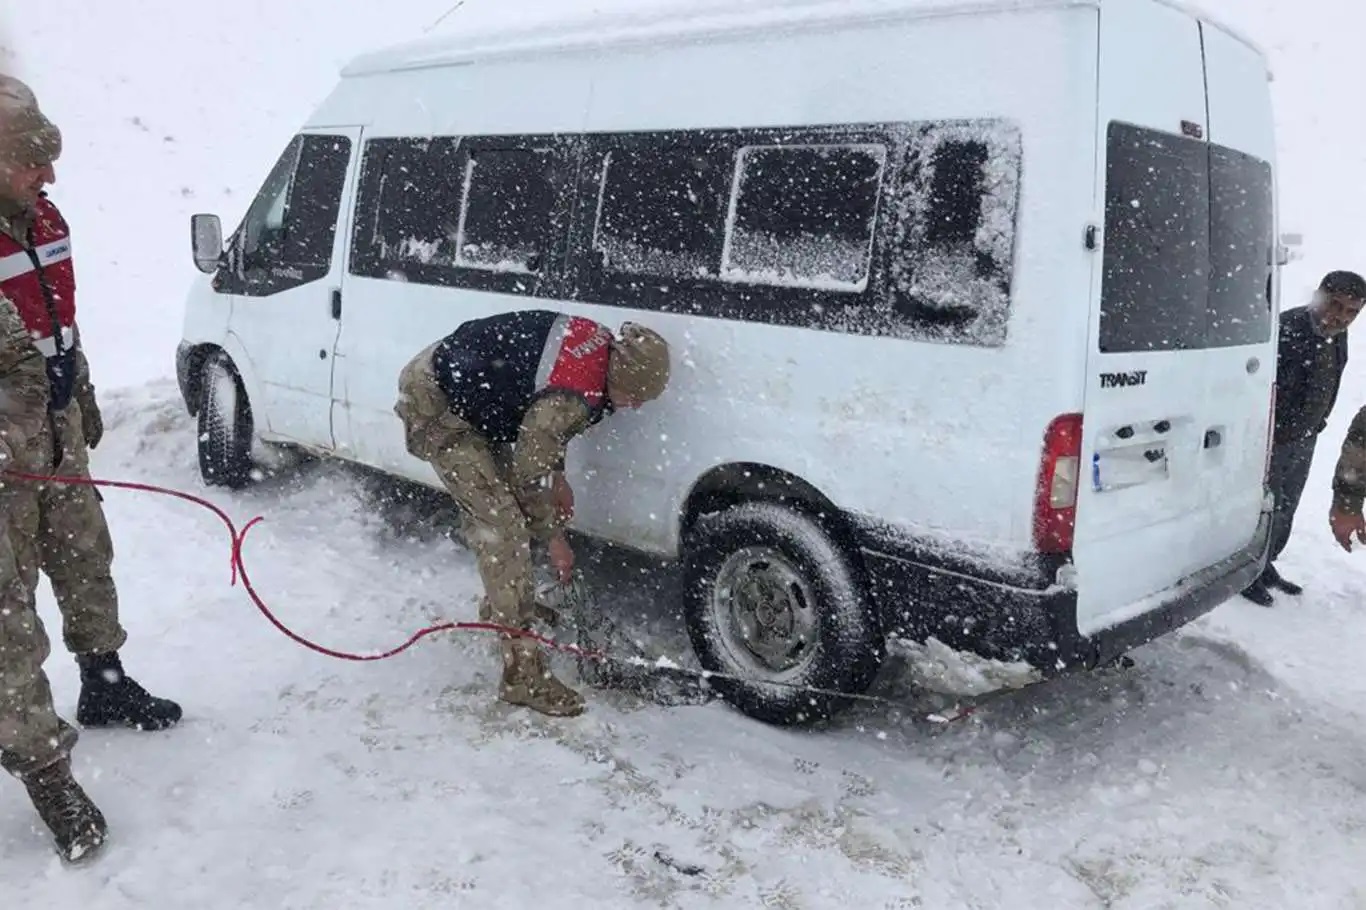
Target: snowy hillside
{"x": 1226, "y": 770}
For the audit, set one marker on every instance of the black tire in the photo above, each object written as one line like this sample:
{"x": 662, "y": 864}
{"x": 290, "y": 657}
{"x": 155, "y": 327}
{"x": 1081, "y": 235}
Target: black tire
{"x": 225, "y": 427}
{"x": 793, "y": 552}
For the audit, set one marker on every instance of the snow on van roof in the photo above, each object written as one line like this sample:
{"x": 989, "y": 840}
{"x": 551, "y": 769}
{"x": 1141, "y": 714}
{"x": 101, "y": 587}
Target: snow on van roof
{"x": 1197, "y": 10}
{"x": 503, "y": 28}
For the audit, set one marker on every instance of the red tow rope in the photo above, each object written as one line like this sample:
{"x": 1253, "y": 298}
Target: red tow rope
{"x": 239, "y": 567}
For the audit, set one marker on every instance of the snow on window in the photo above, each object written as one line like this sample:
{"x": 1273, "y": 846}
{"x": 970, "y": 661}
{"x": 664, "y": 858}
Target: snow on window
{"x": 955, "y": 228}
{"x": 803, "y": 216}
{"x": 506, "y": 210}
{"x": 660, "y": 213}
{"x": 419, "y": 198}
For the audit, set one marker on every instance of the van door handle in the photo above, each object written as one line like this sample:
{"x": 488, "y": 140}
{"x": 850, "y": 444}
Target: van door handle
{"x": 1213, "y": 439}
{"x": 336, "y": 303}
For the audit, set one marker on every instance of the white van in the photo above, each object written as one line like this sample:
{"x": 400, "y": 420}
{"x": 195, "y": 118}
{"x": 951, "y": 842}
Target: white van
{"x": 973, "y": 309}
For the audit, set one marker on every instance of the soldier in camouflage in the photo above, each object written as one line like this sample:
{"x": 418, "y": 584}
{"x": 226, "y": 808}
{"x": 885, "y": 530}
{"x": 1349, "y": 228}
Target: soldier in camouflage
{"x": 48, "y": 421}
{"x": 1349, "y": 486}
{"x": 34, "y": 742}
{"x": 492, "y": 407}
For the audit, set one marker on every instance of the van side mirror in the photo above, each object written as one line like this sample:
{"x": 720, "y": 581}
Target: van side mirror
{"x": 206, "y": 239}
{"x": 1288, "y": 250}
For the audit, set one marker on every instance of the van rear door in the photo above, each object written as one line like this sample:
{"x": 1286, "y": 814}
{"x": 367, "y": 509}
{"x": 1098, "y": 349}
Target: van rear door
{"x": 1241, "y": 357}
{"x": 1154, "y": 438}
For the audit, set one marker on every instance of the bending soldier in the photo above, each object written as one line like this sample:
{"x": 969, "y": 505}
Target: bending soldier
{"x": 532, "y": 380}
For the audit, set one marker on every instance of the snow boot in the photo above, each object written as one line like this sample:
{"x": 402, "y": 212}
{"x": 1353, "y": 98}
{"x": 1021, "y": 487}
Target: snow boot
{"x": 1258, "y": 594}
{"x": 77, "y": 825}
{"x": 110, "y": 698}
{"x": 1272, "y": 579}
{"x": 528, "y": 682}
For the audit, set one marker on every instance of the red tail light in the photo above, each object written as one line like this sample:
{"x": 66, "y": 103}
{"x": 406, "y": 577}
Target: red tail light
{"x": 1055, "y": 498}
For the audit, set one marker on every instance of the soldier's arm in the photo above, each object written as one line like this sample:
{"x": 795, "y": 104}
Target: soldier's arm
{"x": 23, "y": 382}
{"x": 1349, "y": 477}
{"x": 92, "y": 422}
{"x": 548, "y": 426}
{"x": 85, "y": 389}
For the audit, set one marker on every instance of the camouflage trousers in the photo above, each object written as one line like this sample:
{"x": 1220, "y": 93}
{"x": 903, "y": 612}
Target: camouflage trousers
{"x": 61, "y": 532}
{"x": 476, "y": 476}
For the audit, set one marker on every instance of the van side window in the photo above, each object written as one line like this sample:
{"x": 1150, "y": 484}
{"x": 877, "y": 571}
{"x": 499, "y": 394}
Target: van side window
{"x": 419, "y": 191}
{"x": 902, "y": 230}
{"x": 955, "y": 232}
{"x": 506, "y": 216}
{"x": 287, "y": 235}
{"x": 1188, "y": 244}
{"x": 482, "y": 213}
{"x": 662, "y": 213}
{"x": 803, "y": 216}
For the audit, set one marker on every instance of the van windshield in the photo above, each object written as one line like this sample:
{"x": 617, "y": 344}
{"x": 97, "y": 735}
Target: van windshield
{"x": 1188, "y": 243}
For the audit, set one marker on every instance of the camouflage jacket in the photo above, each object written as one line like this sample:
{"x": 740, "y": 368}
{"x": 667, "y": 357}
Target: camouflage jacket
{"x": 23, "y": 388}
{"x": 547, "y": 428}
{"x": 1349, "y": 477}
{"x": 544, "y": 433}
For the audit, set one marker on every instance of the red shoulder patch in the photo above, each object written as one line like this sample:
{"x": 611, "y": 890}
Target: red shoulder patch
{"x": 581, "y": 362}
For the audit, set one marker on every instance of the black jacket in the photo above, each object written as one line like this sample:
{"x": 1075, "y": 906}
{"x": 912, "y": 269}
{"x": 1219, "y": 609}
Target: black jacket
{"x": 492, "y": 369}
{"x": 1305, "y": 393}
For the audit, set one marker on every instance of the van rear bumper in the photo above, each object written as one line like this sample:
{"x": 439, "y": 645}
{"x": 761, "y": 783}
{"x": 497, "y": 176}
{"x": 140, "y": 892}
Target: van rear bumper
{"x": 1024, "y": 616}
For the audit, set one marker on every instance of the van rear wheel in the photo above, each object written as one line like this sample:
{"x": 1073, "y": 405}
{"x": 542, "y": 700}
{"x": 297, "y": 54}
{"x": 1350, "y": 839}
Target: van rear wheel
{"x": 225, "y": 426}
{"x": 773, "y": 602}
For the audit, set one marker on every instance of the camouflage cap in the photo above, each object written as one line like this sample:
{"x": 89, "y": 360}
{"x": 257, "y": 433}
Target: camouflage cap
{"x": 27, "y": 137}
{"x": 639, "y": 366}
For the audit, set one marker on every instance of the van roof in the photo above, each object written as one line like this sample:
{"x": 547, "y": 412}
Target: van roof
{"x": 646, "y": 23}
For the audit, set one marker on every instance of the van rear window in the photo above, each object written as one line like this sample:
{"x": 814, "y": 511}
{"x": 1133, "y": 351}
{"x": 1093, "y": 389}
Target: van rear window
{"x": 1188, "y": 243}
{"x": 1242, "y": 243}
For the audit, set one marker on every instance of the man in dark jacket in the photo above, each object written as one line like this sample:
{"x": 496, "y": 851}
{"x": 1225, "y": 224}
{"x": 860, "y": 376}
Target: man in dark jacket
{"x": 1309, "y": 365}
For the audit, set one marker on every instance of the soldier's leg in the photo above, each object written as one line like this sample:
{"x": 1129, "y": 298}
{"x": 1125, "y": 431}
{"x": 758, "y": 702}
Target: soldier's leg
{"x": 77, "y": 554}
{"x": 31, "y": 735}
{"x": 35, "y": 743}
{"x": 501, "y": 540}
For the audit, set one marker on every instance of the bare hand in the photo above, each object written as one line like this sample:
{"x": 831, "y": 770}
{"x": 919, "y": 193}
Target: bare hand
{"x": 1345, "y": 525}
{"x": 562, "y": 558}
{"x": 563, "y": 496}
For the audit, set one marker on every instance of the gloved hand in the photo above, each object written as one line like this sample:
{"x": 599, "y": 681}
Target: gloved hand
{"x": 92, "y": 424}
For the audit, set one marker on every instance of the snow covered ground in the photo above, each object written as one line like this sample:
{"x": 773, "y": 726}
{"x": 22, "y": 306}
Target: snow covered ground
{"x": 1227, "y": 769}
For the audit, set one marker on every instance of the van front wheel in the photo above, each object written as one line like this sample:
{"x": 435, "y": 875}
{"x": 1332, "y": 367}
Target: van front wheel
{"x": 225, "y": 427}
{"x": 775, "y": 604}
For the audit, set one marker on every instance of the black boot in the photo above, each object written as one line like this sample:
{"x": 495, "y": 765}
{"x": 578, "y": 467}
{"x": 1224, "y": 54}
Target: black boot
{"x": 1272, "y": 579}
{"x": 77, "y": 825}
{"x": 1258, "y": 594}
{"x": 111, "y": 698}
